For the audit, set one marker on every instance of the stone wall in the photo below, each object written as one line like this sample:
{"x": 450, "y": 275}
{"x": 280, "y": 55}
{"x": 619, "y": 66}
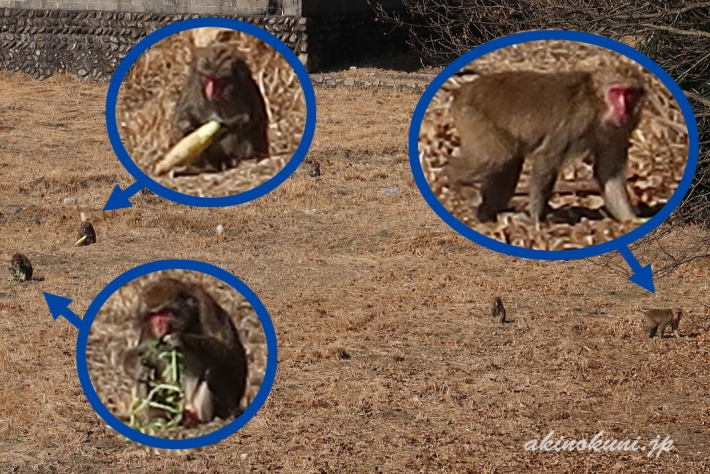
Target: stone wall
{"x": 90, "y": 44}
{"x": 210, "y": 7}
{"x": 307, "y": 8}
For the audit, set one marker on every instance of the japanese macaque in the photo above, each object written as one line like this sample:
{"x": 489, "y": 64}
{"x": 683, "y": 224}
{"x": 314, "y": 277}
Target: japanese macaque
{"x": 656, "y": 318}
{"x": 86, "y": 234}
{"x": 498, "y": 311}
{"x": 504, "y": 118}
{"x": 219, "y": 86}
{"x": 20, "y": 268}
{"x": 183, "y": 316}
{"x": 314, "y": 169}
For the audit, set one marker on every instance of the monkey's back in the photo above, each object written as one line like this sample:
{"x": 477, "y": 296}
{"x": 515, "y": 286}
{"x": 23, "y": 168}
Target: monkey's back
{"x": 561, "y": 98}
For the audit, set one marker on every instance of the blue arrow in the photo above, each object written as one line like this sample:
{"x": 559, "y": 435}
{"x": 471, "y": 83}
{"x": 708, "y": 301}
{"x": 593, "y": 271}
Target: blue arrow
{"x": 643, "y": 276}
{"x": 59, "y": 306}
{"x": 119, "y": 199}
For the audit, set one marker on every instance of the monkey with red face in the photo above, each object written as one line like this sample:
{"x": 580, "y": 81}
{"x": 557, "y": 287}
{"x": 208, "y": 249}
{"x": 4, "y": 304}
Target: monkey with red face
{"x": 498, "y": 311}
{"x": 504, "y": 118}
{"x": 660, "y": 319}
{"x": 86, "y": 234}
{"x": 314, "y": 169}
{"x": 20, "y": 268}
{"x": 182, "y": 316}
{"x": 219, "y": 86}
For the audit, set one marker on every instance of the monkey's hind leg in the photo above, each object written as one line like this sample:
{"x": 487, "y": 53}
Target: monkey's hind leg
{"x": 488, "y": 158}
{"x": 198, "y": 401}
{"x": 498, "y": 188}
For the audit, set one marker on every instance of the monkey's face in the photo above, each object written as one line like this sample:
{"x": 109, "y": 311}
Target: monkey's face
{"x": 219, "y": 67}
{"x": 225, "y": 82}
{"x": 170, "y": 307}
{"x": 676, "y": 315}
{"x": 624, "y": 101}
{"x": 159, "y": 323}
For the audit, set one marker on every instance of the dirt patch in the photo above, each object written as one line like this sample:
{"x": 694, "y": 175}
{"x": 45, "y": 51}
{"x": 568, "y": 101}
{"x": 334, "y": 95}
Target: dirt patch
{"x": 387, "y": 358}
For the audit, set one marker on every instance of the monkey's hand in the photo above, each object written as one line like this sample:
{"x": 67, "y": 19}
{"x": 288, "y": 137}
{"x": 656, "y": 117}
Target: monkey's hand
{"x": 172, "y": 341}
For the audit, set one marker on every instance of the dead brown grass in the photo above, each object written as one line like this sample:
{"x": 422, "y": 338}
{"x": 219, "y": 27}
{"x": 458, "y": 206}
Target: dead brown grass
{"x": 147, "y": 98}
{"x": 657, "y": 156}
{"x": 388, "y": 361}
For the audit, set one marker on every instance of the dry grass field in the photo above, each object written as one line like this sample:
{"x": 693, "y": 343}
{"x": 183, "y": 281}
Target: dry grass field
{"x": 388, "y": 361}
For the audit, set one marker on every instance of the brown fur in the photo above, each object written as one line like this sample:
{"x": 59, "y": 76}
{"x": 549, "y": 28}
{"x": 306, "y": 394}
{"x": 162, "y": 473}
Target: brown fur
{"x": 498, "y": 310}
{"x": 660, "y": 318}
{"x": 547, "y": 117}
{"x": 185, "y": 317}
{"x": 219, "y": 86}
{"x": 21, "y": 264}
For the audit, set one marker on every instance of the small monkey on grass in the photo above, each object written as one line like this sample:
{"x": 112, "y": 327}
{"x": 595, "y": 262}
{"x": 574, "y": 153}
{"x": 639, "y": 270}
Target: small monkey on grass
{"x": 182, "y": 316}
{"x": 219, "y": 86}
{"x": 86, "y": 234}
{"x": 660, "y": 318}
{"x": 498, "y": 311}
{"x": 20, "y": 268}
{"x": 504, "y": 118}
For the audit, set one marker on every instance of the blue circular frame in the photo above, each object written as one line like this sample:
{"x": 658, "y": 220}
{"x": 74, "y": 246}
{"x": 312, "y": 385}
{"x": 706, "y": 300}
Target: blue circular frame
{"x": 525, "y": 37}
{"x": 154, "y": 441}
{"x": 234, "y": 199}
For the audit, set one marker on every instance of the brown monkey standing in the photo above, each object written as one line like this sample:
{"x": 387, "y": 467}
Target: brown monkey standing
{"x": 660, "y": 318}
{"x": 504, "y": 118}
{"x": 498, "y": 311}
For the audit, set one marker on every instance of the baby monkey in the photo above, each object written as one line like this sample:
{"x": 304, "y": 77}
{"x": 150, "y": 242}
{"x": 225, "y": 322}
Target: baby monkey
{"x": 656, "y": 318}
{"x": 314, "y": 169}
{"x": 20, "y": 268}
{"x": 178, "y": 315}
{"x": 498, "y": 311}
{"x": 219, "y": 86}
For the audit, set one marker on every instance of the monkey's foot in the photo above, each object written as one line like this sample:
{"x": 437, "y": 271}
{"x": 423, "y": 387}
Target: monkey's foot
{"x": 190, "y": 419}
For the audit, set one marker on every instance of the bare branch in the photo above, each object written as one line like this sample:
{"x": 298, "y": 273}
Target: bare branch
{"x": 678, "y": 31}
